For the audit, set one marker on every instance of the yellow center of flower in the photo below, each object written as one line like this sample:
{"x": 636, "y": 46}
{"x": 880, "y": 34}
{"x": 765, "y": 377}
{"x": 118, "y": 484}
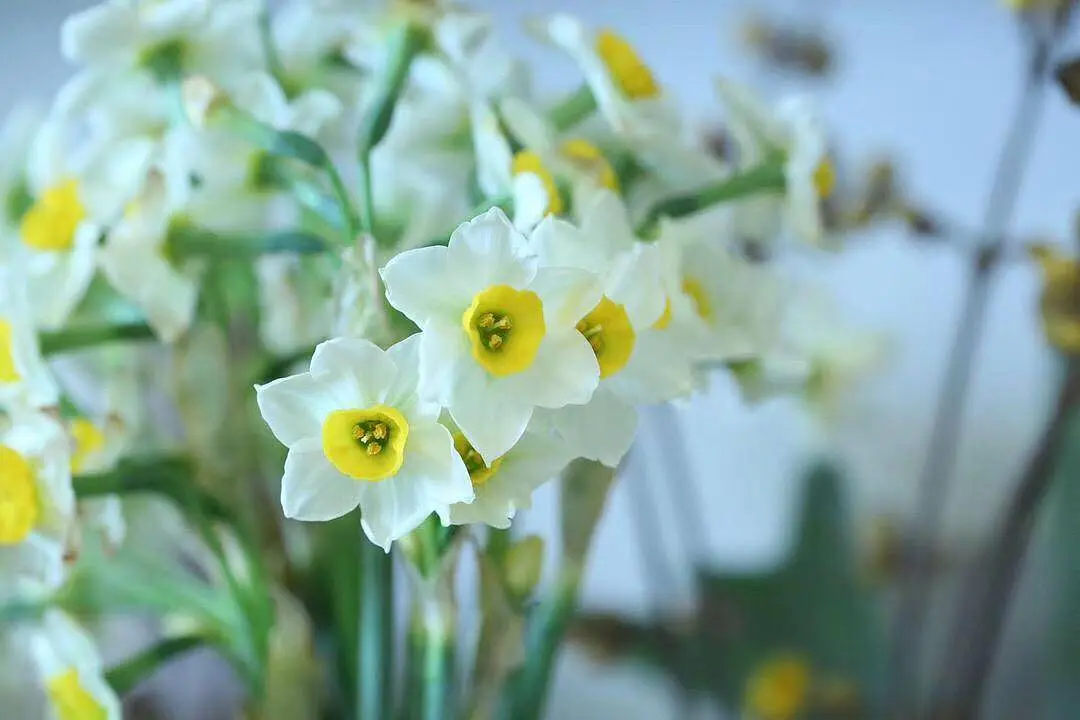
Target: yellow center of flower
{"x": 526, "y": 161}
{"x": 88, "y": 441}
{"x": 778, "y": 689}
{"x": 610, "y": 334}
{"x": 479, "y": 471}
{"x": 8, "y": 372}
{"x": 700, "y": 299}
{"x": 366, "y": 444}
{"x": 587, "y": 158}
{"x": 505, "y": 327}
{"x": 630, "y": 73}
{"x": 18, "y": 497}
{"x": 70, "y": 700}
{"x": 50, "y": 223}
{"x": 824, "y": 178}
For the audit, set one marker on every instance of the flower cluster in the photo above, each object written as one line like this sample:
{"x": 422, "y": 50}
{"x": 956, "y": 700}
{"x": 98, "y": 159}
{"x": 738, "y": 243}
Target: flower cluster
{"x": 190, "y": 190}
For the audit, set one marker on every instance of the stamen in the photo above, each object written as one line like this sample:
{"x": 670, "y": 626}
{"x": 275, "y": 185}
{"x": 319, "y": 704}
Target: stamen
{"x": 495, "y": 342}
{"x": 486, "y": 321}
{"x": 502, "y": 324}
{"x": 379, "y": 431}
{"x": 374, "y": 448}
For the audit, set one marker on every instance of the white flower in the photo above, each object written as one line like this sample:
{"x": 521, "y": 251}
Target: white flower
{"x": 633, "y": 301}
{"x": 193, "y": 36}
{"x": 521, "y": 176}
{"x": 76, "y": 191}
{"x": 95, "y": 448}
{"x": 23, "y": 372}
{"x": 631, "y": 100}
{"x": 37, "y": 502}
{"x": 499, "y": 336}
{"x": 506, "y": 484}
{"x": 572, "y": 158}
{"x": 794, "y": 132}
{"x": 135, "y": 257}
{"x": 16, "y": 136}
{"x": 359, "y": 435}
{"x": 70, "y": 669}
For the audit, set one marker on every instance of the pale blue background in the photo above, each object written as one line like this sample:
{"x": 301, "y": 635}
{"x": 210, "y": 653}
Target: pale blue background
{"x": 932, "y": 83}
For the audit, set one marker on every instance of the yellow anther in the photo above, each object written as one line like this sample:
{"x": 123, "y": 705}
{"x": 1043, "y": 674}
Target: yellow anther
{"x": 379, "y": 431}
{"x": 374, "y": 448}
{"x": 502, "y": 324}
{"x": 495, "y": 342}
{"x": 486, "y": 320}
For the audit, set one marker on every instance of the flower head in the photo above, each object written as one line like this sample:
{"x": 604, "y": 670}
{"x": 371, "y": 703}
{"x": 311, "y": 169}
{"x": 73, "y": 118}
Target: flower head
{"x": 499, "y": 336}
{"x": 359, "y": 435}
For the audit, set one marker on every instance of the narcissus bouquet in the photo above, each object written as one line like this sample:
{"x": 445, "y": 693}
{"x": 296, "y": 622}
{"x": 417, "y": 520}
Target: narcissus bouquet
{"x": 342, "y": 255}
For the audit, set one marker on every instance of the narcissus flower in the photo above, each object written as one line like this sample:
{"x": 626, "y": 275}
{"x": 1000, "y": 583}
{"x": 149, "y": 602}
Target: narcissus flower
{"x": 791, "y": 134}
{"x": 505, "y": 485}
{"x": 499, "y": 337}
{"x": 23, "y": 374}
{"x": 633, "y": 300}
{"x": 37, "y": 503}
{"x": 359, "y": 435}
{"x": 70, "y": 669}
{"x": 75, "y": 193}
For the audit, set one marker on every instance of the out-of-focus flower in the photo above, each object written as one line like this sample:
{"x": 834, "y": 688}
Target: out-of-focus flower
{"x": 37, "y": 503}
{"x": 23, "y": 373}
{"x": 359, "y": 435}
{"x": 779, "y": 689}
{"x": 1059, "y": 302}
{"x": 793, "y": 136}
{"x": 505, "y": 485}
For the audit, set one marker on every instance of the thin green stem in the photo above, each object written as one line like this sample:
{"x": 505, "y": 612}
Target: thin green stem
{"x": 573, "y": 109}
{"x": 93, "y": 335}
{"x": 762, "y": 179}
{"x": 124, "y": 677}
{"x": 374, "y": 681}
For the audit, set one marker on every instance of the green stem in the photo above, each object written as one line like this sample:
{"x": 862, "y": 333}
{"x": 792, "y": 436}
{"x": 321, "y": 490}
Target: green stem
{"x": 90, "y": 336}
{"x": 429, "y": 685}
{"x": 765, "y": 178}
{"x": 544, "y": 634}
{"x": 573, "y": 109}
{"x": 374, "y": 681}
{"x": 196, "y": 242}
{"x": 270, "y": 53}
{"x": 127, "y": 675}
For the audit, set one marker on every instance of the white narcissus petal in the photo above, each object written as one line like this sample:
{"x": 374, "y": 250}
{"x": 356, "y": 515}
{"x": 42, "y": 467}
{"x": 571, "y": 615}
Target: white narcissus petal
{"x": 357, "y": 362}
{"x": 529, "y": 127}
{"x": 488, "y": 250}
{"x": 313, "y": 111}
{"x": 606, "y": 222}
{"x": 634, "y": 282}
{"x": 59, "y": 280}
{"x": 432, "y": 458}
{"x": 494, "y": 158}
{"x": 751, "y": 123}
{"x": 558, "y": 243}
{"x": 403, "y": 390}
{"x": 565, "y": 372}
{"x": 492, "y": 413}
{"x": 444, "y": 348}
{"x": 295, "y": 407}
{"x": 421, "y": 285}
{"x": 432, "y": 478}
{"x": 166, "y": 295}
{"x": 578, "y": 42}
{"x": 530, "y": 198}
{"x": 601, "y": 429}
{"x": 312, "y": 489}
{"x": 568, "y": 294}
{"x": 96, "y": 34}
{"x": 658, "y": 370}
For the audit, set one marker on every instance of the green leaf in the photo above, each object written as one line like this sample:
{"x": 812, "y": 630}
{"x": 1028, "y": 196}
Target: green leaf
{"x": 574, "y": 109}
{"x": 77, "y": 338}
{"x": 406, "y": 42}
{"x": 127, "y": 675}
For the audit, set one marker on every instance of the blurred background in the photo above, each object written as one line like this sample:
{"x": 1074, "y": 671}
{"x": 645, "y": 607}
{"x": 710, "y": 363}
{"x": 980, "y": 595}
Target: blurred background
{"x": 931, "y": 85}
